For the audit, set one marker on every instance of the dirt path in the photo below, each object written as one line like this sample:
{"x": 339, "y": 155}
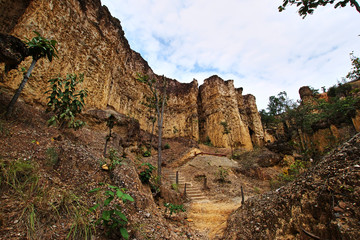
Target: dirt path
{"x": 210, "y": 217}
{"x": 210, "y": 206}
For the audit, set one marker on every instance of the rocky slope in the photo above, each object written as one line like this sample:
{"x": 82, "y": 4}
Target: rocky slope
{"x": 323, "y": 202}
{"x": 92, "y": 42}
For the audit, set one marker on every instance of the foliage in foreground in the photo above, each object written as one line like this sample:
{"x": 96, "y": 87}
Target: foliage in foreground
{"x": 35, "y": 202}
{"x": 39, "y": 47}
{"x": 65, "y": 101}
{"x": 112, "y": 217}
{"x": 309, "y": 6}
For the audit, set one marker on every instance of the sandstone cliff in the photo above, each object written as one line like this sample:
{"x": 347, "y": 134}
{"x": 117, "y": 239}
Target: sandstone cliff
{"x": 92, "y": 42}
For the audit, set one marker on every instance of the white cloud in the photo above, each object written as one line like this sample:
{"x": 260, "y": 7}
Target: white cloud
{"x": 264, "y": 51}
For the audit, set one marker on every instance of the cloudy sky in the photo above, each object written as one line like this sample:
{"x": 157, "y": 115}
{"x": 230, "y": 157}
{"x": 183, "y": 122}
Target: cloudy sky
{"x": 262, "y": 50}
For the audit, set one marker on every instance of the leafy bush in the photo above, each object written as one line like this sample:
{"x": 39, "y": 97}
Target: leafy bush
{"x": 175, "y": 186}
{"x": 147, "y": 153}
{"x": 155, "y": 185}
{"x": 111, "y": 216}
{"x": 65, "y": 101}
{"x": 173, "y": 208}
{"x": 114, "y": 158}
{"x": 167, "y": 146}
{"x": 288, "y": 175}
{"x": 222, "y": 174}
{"x": 145, "y": 175}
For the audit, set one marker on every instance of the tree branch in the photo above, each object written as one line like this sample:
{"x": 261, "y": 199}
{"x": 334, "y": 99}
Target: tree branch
{"x": 356, "y": 4}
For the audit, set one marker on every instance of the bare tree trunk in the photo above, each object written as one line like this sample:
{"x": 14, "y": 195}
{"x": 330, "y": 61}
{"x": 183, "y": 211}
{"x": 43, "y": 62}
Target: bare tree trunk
{"x": 160, "y": 125}
{"x": 356, "y": 4}
{"x": 11, "y": 105}
{"x": 152, "y": 134}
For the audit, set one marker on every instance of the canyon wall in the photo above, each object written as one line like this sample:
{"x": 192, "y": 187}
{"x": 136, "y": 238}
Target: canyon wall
{"x": 92, "y": 42}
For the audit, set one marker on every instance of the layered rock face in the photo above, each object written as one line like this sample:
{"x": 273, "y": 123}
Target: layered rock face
{"x": 218, "y": 103}
{"x": 92, "y": 42}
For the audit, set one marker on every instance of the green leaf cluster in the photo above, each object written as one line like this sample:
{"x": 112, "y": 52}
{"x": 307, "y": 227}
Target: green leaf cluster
{"x": 145, "y": 175}
{"x": 65, "y": 101}
{"x": 112, "y": 217}
{"x": 222, "y": 174}
{"x": 308, "y": 6}
{"x": 173, "y": 208}
{"x": 40, "y": 47}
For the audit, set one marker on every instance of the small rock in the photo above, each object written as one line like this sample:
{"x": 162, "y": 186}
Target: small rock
{"x": 337, "y": 209}
{"x": 105, "y": 167}
{"x": 342, "y": 205}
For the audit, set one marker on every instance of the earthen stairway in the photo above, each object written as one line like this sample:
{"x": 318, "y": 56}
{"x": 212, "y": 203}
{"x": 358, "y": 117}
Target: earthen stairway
{"x": 194, "y": 193}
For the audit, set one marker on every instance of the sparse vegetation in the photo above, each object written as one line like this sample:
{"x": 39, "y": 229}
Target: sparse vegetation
{"x": 158, "y": 98}
{"x": 111, "y": 216}
{"x": 65, "y": 101}
{"x": 222, "y": 174}
{"x": 175, "y": 187}
{"x": 147, "y": 154}
{"x": 167, "y": 146}
{"x": 52, "y": 156}
{"x": 227, "y": 131}
{"x": 208, "y": 141}
{"x": 288, "y": 174}
{"x": 146, "y": 174}
{"x": 20, "y": 179}
{"x": 173, "y": 208}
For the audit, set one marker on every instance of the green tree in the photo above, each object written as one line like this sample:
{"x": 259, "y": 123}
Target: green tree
{"x": 39, "y": 47}
{"x": 354, "y": 74}
{"x": 308, "y": 6}
{"x": 158, "y": 90}
{"x": 279, "y": 104}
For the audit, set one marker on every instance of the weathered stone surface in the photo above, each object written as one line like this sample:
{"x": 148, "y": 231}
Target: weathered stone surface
{"x": 252, "y": 118}
{"x": 322, "y": 201}
{"x": 219, "y": 103}
{"x": 12, "y": 51}
{"x": 92, "y": 42}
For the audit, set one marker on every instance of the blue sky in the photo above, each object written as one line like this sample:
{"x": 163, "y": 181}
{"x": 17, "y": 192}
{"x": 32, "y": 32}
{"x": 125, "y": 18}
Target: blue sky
{"x": 262, "y": 50}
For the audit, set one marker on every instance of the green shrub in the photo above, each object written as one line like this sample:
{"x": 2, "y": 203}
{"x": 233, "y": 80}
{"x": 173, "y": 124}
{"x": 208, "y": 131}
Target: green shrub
{"x": 145, "y": 175}
{"x": 155, "y": 185}
{"x": 147, "y": 154}
{"x": 173, "y": 208}
{"x": 175, "y": 186}
{"x": 222, "y": 174}
{"x": 111, "y": 216}
{"x": 114, "y": 158}
{"x": 65, "y": 101}
{"x": 167, "y": 146}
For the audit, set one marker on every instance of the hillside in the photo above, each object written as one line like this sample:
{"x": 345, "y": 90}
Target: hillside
{"x": 237, "y": 178}
{"x": 321, "y": 204}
